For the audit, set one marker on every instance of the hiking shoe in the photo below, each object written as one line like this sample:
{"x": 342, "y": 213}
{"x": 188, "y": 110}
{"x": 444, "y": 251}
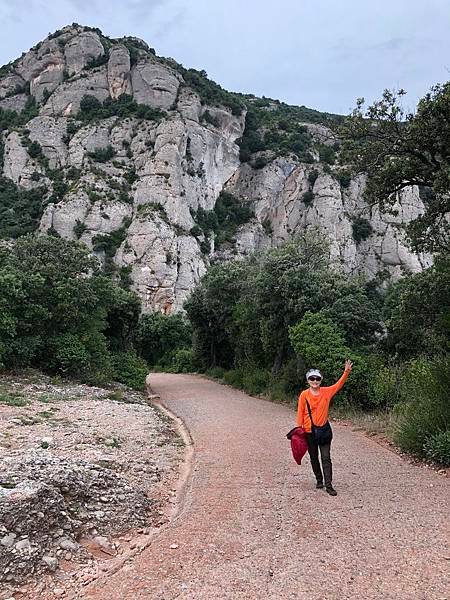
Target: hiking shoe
{"x": 319, "y": 485}
{"x": 331, "y": 491}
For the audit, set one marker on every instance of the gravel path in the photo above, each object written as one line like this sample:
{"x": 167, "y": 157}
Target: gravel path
{"x": 252, "y": 525}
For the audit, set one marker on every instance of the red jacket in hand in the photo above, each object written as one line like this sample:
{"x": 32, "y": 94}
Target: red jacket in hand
{"x": 299, "y": 445}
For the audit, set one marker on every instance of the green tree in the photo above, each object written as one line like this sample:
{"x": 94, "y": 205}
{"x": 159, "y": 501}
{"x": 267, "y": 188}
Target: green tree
{"x": 417, "y": 313}
{"x": 57, "y": 312}
{"x": 209, "y": 309}
{"x": 159, "y": 336}
{"x": 320, "y": 344}
{"x": 397, "y": 149}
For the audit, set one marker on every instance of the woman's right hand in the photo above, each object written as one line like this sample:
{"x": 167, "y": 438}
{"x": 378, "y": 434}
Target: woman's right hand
{"x": 348, "y": 365}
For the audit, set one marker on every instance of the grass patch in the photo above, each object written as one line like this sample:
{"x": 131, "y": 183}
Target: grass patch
{"x": 114, "y": 442}
{"x": 383, "y": 422}
{"x": 47, "y": 414}
{"x": 12, "y": 399}
{"x": 117, "y": 395}
{"x": 45, "y": 399}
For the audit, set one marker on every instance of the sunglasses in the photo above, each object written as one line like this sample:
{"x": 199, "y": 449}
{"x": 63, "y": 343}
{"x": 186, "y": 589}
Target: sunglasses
{"x": 314, "y": 378}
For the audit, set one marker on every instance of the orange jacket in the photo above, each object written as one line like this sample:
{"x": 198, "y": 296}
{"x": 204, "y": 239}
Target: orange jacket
{"x": 319, "y": 404}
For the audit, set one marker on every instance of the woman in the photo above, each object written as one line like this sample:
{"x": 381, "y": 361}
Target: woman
{"x": 314, "y": 402}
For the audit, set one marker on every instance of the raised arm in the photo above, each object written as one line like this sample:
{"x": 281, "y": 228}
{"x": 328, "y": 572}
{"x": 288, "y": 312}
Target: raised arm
{"x": 334, "y": 389}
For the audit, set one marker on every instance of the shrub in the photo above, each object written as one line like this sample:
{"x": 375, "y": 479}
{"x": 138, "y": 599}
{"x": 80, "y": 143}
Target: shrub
{"x": 183, "y": 361}
{"x": 231, "y": 213}
{"x": 286, "y": 384}
{"x": 210, "y": 92}
{"x": 35, "y": 150}
{"x": 361, "y": 229}
{"x": 79, "y": 228}
{"x": 211, "y": 119}
{"x": 312, "y": 177}
{"x": 102, "y": 154}
{"x": 260, "y": 162}
{"x": 98, "y": 61}
{"x": 20, "y": 210}
{"x": 320, "y": 344}
{"x": 255, "y": 381}
{"x": 308, "y": 198}
{"x": 425, "y": 412}
{"x": 130, "y": 369}
{"x": 159, "y": 336}
{"x": 344, "y": 179}
{"x": 437, "y": 448}
{"x": 91, "y": 109}
{"x": 12, "y": 399}
{"x": 327, "y": 154}
{"x": 110, "y": 242}
{"x": 234, "y": 378}
{"x": 70, "y": 355}
{"x": 384, "y": 387}
{"x": 215, "y": 373}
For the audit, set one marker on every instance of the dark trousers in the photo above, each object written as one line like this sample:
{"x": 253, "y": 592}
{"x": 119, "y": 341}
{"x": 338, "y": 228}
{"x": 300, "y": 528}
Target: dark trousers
{"x": 313, "y": 450}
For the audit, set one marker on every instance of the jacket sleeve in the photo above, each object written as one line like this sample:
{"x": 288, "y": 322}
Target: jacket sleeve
{"x": 334, "y": 389}
{"x": 301, "y": 410}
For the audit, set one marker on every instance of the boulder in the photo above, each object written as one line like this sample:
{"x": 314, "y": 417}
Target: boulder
{"x": 119, "y": 77}
{"x": 154, "y": 84}
{"x": 81, "y": 49}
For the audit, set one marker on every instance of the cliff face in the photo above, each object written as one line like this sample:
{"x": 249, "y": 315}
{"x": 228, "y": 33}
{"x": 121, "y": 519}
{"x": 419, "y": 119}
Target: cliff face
{"x": 132, "y": 156}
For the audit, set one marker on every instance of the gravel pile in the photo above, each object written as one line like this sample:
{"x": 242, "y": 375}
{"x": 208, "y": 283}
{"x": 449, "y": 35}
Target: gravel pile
{"x": 79, "y": 466}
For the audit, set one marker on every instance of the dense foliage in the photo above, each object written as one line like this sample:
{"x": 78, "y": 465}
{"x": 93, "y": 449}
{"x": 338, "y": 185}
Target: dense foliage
{"x": 58, "y": 313}
{"x": 259, "y": 324}
{"x": 277, "y": 129}
{"x": 210, "y": 92}
{"x": 159, "y": 338}
{"x": 242, "y": 311}
{"x": 20, "y": 210}
{"x": 91, "y": 109}
{"x": 397, "y": 149}
{"x": 228, "y": 214}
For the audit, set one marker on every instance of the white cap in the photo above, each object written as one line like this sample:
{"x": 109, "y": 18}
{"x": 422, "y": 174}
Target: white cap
{"x": 315, "y": 372}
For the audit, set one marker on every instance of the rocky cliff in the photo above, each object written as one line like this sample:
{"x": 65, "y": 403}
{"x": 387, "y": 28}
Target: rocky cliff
{"x": 156, "y": 168}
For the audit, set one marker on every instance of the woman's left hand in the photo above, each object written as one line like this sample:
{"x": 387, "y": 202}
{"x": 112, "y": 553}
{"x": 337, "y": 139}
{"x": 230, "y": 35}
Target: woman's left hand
{"x": 348, "y": 365}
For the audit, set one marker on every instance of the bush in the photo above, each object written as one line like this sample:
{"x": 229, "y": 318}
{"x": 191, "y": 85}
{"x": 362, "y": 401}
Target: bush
{"x": 234, "y": 377}
{"x": 91, "y": 109}
{"x": 285, "y": 385}
{"x": 361, "y": 229}
{"x": 130, "y": 369}
{"x": 437, "y": 448}
{"x": 183, "y": 361}
{"x": 327, "y": 154}
{"x": 425, "y": 413}
{"x": 159, "y": 336}
{"x": 312, "y": 177}
{"x": 320, "y": 344}
{"x": 215, "y": 373}
{"x": 103, "y": 154}
{"x": 384, "y": 387}
{"x": 70, "y": 355}
{"x": 57, "y": 312}
{"x": 255, "y": 381}
{"x": 20, "y": 210}
{"x": 308, "y": 198}
{"x": 344, "y": 178}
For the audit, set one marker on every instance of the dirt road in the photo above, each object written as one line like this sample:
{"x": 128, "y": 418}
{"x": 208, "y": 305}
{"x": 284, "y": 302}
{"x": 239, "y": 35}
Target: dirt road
{"x": 252, "y": 525}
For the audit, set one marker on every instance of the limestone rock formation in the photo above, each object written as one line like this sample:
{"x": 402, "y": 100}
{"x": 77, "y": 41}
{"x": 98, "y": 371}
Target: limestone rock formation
{"x": 154, "y": 154}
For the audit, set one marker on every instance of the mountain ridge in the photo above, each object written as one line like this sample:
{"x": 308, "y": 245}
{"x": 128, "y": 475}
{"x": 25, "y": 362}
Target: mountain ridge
{"x": 160, "y": 171}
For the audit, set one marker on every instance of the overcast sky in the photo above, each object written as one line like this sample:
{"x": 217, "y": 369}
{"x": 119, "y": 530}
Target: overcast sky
{"x": 320, "y": 53}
